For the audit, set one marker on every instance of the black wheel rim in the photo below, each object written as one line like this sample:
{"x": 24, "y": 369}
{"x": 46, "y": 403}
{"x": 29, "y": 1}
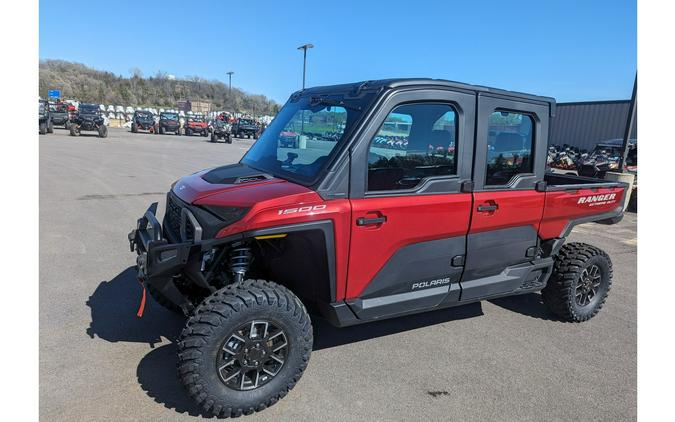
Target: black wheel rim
{"x": 588, "y": 285}
{"x": 252, "y": 355}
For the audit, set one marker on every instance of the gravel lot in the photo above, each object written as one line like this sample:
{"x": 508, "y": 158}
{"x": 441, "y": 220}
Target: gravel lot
{"x": 501, "y": 360}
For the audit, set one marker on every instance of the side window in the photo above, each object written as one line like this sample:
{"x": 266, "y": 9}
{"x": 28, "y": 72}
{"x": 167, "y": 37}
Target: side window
{"x": 415, "y": 141}
{"x": 510, "y": 144}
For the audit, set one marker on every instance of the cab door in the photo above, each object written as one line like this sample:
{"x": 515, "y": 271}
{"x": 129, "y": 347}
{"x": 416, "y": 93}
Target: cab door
{"x": 410, "y": 213}
{"x": 507, "y": 208}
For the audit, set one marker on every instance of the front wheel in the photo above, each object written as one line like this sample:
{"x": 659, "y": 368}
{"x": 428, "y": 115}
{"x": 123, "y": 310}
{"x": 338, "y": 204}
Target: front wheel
{"x": 43, "y": 128}
{"x": 74, "y": 131}
{"x": 580, "y": 282}
{"x": 50, "y": 127}
{"x": 244, "y": 348}
{"x": 103, "y": 131}
{"x": 214, "y": 137}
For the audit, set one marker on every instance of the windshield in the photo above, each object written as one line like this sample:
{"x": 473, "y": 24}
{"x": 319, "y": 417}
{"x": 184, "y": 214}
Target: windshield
{"x": 169, "y": 116}
{"x": 144, "y": 114}
{"x": 88, "y": 109}
{"x": 195, "y": 119}
{"x": 303, "y": 137}
{"x": 245, "y": 122}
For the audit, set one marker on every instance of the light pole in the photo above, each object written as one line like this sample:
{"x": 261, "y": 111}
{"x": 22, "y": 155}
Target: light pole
{"x": 304, "y": 63}
{"x": 230, "y": 73}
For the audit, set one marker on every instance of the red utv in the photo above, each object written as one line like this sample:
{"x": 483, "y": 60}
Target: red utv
{"x": 358, "y": 230}
{"x": 196, "y": 125}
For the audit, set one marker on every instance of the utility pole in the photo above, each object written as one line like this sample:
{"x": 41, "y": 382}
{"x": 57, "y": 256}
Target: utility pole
{"x": 230, "y": 73}
{"x": 304, "y": 48}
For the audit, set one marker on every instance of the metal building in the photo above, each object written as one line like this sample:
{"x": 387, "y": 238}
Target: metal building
{"x": 584, "y": 124}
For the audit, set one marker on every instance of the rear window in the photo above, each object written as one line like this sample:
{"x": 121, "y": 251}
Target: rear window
{"x": 510, "y": 145}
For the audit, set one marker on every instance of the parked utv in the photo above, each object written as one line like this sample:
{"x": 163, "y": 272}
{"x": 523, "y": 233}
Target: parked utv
{"x": 169, "y": 122}
{"x": 196, "y": 124}
{"x": 221, "y": 130}
{"x": 88, "y": 118}
{"x": 60, "y": 114}
{"x": 243, "y": 127}
{"x": 358, "y": 230}
{"x": 143, "y": 120}
{"x": 45, "y": 123}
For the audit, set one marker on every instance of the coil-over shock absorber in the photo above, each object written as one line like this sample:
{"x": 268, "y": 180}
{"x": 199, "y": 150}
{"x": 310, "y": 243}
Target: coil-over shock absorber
{"x": 240, "y": 260}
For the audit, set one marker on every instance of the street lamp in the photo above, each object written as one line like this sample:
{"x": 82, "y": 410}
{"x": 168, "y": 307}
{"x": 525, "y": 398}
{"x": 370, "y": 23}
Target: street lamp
{"x": 304, "y": 63}
{"x": 230, "y": 73}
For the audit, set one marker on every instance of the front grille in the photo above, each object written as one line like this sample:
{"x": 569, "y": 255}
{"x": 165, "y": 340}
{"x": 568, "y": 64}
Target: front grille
{"x": 172, "y": 217}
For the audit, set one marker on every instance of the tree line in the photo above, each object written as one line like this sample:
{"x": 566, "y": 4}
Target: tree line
{"x": 82, "y": 83}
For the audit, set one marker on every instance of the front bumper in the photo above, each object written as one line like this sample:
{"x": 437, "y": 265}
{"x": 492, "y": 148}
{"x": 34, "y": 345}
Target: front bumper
{"x": 158, "y": 261}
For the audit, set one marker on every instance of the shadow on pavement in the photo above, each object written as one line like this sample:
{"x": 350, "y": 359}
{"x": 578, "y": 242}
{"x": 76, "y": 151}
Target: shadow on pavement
{"x": 326, "y": 336}
{"x": 158, "y": 378}
{"x": 114, "y": 305}
{"x": 528, "y": 304}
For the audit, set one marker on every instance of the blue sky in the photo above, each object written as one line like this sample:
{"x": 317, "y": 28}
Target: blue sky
{"x": 571, "y": 50}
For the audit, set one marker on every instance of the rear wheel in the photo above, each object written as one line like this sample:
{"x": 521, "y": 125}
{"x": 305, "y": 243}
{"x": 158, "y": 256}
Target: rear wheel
{"x": 161, "y": 130}
{"x": 580, "y": 282}
{"x": 50, "y": 127}
{"x": 74, "y": 130}
{"x": 134, "y": 129}
{"x": 188, "y": 132}
{"x": 214, "y": 137}
{"x": 103, "y": 131}
{"x": 43, "y": 128}
{"x": 244, "y": 348}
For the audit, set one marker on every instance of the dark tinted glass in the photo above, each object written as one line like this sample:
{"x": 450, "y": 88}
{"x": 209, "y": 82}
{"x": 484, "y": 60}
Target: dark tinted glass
{"x": 510, "y": 143}
{"x": 415, "y": 141}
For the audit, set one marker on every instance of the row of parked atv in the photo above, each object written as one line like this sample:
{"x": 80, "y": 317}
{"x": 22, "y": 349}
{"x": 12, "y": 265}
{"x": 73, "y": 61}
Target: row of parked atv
{"x": 219, "y": 128}
{"x": 603, "y": 158}
{"x": 86, "y": 118}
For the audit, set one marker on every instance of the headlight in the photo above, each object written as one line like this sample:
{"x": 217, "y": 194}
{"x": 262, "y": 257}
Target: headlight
{"x": 228, "y": 215}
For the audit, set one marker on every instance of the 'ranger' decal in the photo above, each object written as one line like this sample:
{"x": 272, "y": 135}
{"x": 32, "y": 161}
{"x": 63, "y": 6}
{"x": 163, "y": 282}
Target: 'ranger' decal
{"x": 593, "y": 200}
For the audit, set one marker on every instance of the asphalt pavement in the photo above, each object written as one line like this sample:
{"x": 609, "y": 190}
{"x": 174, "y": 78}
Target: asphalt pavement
{"x": 502, "y": 360}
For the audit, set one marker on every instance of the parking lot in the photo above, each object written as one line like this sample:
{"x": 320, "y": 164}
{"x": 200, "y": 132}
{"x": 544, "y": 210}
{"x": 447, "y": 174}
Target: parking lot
{"x": 501, "y": 360}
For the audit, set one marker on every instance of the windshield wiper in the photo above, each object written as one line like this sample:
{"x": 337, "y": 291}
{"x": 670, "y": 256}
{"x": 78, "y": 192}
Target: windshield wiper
{"x": 314, "y": 101}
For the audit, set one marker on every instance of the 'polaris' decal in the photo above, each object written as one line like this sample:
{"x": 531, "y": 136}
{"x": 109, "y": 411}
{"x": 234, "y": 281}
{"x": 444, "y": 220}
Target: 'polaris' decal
{"x": 430, "y": 283}
{"x": 593, "y": 200}
{"x": 302, "y": 209}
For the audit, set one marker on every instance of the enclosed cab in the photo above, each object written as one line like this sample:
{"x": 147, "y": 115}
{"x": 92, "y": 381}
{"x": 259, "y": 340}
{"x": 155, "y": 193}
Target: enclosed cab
{"x": 400, "y": 196}
{"x": 245, "y": 128}
{"x": 169, "y": 122}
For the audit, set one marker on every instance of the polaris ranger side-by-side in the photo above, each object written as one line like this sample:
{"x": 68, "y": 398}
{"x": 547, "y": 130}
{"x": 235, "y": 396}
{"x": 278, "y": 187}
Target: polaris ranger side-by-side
{"x": 433, "y": 194}
{"x": 169, "y": 122}
{"x": 196, "y": 124}
{"x": 245, "y": 128}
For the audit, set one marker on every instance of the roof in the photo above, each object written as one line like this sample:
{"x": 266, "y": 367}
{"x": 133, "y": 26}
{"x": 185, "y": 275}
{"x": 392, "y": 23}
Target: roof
{"x": 421, "y": 82}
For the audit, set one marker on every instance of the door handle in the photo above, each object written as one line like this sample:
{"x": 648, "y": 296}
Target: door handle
{"x": 363, "y": 221}
{"x": 487, "y": 208}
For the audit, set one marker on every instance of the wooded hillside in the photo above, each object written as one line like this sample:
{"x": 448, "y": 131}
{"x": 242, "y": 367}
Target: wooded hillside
{"x": 83, "y": 83}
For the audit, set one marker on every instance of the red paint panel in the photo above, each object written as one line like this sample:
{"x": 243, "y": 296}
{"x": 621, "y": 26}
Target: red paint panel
{"x": 410, "y": 219}
{"x": 514, "y": 208}
{"x": 563, "y": 206}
